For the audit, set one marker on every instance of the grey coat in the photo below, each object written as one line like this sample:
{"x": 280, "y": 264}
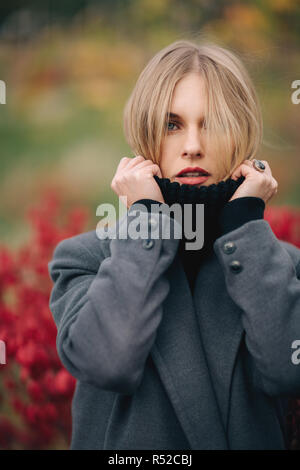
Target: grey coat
{"x": 158, "y": 368}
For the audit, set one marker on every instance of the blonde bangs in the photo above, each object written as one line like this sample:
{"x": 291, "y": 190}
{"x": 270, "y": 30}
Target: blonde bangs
{"x": 233, "y": 115}
{"x": 145, "y": 112}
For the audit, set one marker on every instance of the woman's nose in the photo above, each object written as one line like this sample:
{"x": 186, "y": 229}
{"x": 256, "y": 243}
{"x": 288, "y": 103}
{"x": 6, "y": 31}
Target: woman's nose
{"x": 193, "y": 144}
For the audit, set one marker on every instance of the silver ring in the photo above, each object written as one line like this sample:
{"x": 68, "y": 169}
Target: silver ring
{"x": 258, "y": 165}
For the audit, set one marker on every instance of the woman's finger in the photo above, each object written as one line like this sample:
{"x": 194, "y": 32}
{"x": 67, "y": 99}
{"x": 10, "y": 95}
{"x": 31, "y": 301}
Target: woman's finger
{"x": 267, "y": 166}
{"x": 248, "y": 162}
{"x": 152, "y": 168}
{"x": 242, "y": 170}
{"x": 123, "y": 163}
{"x": 135, "y": 161}
{"x": 143, "y": 164}
{"x": 156, "y": 170}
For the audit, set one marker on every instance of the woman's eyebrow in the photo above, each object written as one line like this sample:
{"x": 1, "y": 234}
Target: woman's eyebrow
{"x": 173, "y": 115}
{"x": 176, "y": 116}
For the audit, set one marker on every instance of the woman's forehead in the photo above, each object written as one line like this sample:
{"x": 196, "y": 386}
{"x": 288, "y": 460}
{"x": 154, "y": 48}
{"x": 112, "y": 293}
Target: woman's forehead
{"x": 189, "y": 97}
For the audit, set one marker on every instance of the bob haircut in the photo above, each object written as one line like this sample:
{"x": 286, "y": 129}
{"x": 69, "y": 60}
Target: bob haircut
{"x": 233, "y": 115}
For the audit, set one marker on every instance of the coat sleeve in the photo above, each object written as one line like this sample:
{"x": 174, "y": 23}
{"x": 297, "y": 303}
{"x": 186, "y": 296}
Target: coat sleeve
{"x": 107, "y": 314}
{"x": 262, "y": 276}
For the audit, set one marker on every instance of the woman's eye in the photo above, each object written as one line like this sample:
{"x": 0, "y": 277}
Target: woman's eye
{"x": 172, "y": 124}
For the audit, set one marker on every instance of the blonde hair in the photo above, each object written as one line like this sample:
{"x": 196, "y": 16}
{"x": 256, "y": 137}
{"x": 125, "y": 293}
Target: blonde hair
{"x": 232, "y": 111}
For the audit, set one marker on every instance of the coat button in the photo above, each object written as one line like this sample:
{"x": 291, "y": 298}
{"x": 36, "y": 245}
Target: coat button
{"x": 235, "y": 266}
{"x": 147, "y": 244}
{"x": 229, "y": 247}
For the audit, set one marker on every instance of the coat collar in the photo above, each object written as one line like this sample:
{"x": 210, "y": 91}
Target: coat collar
{"x": 185, "y": 357}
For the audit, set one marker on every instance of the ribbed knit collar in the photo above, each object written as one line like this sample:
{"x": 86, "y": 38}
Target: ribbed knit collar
{"x": 214, "y": 197}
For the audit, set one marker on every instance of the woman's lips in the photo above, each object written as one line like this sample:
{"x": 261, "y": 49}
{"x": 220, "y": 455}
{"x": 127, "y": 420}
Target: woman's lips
{"x": 191, "y": 179}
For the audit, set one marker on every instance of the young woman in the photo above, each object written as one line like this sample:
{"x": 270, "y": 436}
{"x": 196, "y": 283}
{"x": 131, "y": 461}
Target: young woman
{"x": 177, "y": 348}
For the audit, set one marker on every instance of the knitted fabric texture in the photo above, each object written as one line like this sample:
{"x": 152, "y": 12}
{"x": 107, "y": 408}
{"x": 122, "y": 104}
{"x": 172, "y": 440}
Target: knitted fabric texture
{"x": 214, "y": 197}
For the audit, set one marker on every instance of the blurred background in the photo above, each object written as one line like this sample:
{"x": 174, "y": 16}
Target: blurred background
{"x": 69, "y": 67}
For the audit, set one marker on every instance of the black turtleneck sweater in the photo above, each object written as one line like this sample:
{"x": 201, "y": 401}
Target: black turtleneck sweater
{"x": 233, "y": 215}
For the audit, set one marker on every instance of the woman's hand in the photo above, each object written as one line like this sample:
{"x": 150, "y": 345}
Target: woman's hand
{"x": 134, "y": 179}
{"x": 256, "y": 183}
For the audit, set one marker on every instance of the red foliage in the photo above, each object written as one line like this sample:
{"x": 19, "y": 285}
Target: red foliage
{"x": 36, "y": 388}
{"x": 285, "y": 224}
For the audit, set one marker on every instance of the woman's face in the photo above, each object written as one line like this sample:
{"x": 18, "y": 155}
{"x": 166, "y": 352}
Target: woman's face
{"x": 185, "y": 145}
